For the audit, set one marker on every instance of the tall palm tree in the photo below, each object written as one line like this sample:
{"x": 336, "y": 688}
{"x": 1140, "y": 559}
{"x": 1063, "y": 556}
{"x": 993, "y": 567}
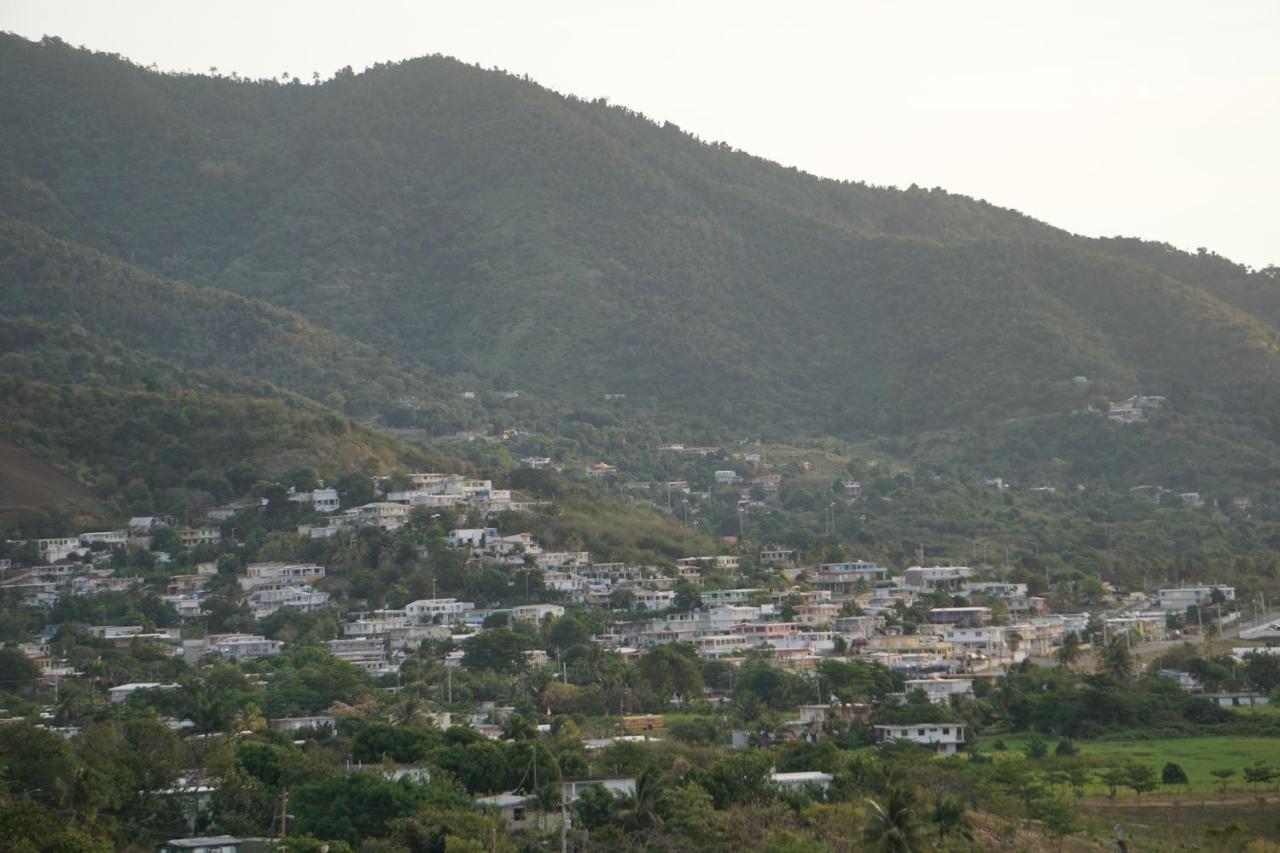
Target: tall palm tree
{"x": 638, "y": 812}
{"x": 893, "y": 826}
{"x": 1069, "y": 652}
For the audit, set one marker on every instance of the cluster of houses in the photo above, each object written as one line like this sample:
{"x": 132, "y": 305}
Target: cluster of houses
{"x": 430, "y": 490}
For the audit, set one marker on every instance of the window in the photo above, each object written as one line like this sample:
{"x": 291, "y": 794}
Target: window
{"x": 920, "y": 732}
{"x": 946, "y": 731}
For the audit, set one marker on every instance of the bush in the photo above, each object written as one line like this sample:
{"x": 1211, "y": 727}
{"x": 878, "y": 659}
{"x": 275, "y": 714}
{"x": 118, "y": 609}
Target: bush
{"x": 1173, "y": 774}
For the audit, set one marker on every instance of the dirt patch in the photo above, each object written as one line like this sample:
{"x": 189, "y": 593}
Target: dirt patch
{"x": 27, "y": 481}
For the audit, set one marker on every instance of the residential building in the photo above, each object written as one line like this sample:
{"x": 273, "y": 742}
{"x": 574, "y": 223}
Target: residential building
{"x": 936, "y": 577}
{"x": 946, "y": 738}
{"x": 940, "y": 690}
{"x": 800, "y": 781}
{"x": 1179, "y": 599}
{"x": 275, "y": 574}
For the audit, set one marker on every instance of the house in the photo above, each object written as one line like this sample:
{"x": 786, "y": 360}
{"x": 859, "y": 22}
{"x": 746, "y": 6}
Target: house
{"x": 274, "y": 574}
{"x": 471, "y": 537}
{"x": 801, "y": 780}
{"x": 190, "y": 537}
{"x": 966, "y": 616}
{"x": 368, "y": 653}
{"x": 242, "y": 646}
{"x": 1238, "y": 700}
{"x": 386, "y": 515}
{"x": 1145, "y": 626}
{"x": 447, "y": 609}
{"x": 1179, "y": 599}
{"x": 777, "y": 555}
{"x": 571, "y": 787}
{"x": 110, "y": 538}
{"x": 946, "y": 738}
{"x": 600, "y": 469}
{"x": 266, "y": 600}
{"x": 940, "y": 690}
{"x": 519, "y": 812}
{"x": 936, "y": 577}
{"x": 715, "y": 597}
{"x": 726, "y": 476}
{"x": 319, "y": 722}
{"x": 206, "y": 844}
{"x": 122, "y": 692}
{"x": 1188, "y": 682}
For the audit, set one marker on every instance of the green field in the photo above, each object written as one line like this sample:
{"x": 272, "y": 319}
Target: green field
{"x": 1197, "y": 755}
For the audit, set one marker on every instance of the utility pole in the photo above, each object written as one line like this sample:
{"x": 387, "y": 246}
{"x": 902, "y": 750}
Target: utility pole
{"x": 284, "y": 813}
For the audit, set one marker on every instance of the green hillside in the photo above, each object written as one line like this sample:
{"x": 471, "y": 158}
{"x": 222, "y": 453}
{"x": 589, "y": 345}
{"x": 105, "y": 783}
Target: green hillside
{"x": 479, "y": 224}
{"x": 195, "y": 332}
{"x": 143, "y": 451}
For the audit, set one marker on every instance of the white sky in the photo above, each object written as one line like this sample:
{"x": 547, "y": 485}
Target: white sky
{"x": 1150, "y": 118}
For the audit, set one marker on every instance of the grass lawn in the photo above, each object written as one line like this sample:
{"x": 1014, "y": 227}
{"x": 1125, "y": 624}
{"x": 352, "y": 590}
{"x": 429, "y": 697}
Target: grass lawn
{"x": 1197, "y": 755}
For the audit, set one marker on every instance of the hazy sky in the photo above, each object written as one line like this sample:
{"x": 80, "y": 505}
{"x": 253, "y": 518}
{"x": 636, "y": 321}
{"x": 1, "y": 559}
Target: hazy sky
{"x": 1151, "y": 119}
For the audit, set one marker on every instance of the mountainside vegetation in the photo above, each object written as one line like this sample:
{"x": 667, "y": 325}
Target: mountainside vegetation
{"x": 175, "y": 450}
{"x": 499, "y": 232}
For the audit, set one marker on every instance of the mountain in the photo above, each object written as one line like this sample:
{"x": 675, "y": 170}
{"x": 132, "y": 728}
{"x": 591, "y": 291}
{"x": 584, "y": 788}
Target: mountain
{"x": 124, "y": 391}
{"x": 476, "y": 224}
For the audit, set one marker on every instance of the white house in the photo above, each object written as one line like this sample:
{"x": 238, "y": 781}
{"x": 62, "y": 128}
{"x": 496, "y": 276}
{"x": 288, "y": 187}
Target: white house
{"x": 946, "y": 738}
{"x": 801, "y": 780}
{"x": 427, "y": 609}
{"x": 940, "y": 690}
{"x": 471, "y": 537}
{"x": 1178, "y": 600}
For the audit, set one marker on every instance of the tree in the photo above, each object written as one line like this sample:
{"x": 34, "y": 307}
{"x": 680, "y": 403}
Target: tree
{"x": 892, "y": 826}
{"x": 1116, "y": 661}
{"x": 1173, "y": 774}
{"x": 1069, "y": 652}
{"x": 1140, "y": 778}
{"x": 1222, "y": 775}
{"x": 948, "y": 816}
{"x": 1259, "y": 774}
{"x": 690, "y": 814}
{"x": 1113, "y": 778}
{"x": 1036, "y": 748}
{"x": 1078, "y": 776}
{"x": 17, "y": 671}
{"x": 639, "y": 811}
{"x": 1058, "y": 817}
{"x": 594, "y": 806}
{"x": 496, "y": 649}
{"x": 687, "y": 597}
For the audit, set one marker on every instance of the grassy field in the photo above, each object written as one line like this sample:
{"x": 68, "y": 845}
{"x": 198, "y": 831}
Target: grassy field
{"x": 1197, "y": 756}
{"x": 1183, "y": 823}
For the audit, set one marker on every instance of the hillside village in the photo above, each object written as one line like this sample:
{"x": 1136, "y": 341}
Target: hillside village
{"x": 419, "y": 459}
{"x": 928, "y": 642}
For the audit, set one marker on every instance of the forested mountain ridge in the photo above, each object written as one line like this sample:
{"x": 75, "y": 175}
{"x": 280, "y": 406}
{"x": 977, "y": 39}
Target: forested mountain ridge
{"x": 207, "y": 333}
{"x": 478, "y": 224}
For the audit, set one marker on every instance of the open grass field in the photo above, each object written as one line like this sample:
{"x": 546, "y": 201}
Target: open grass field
{"x": 1182, "y": 822}
{"x": 1197, "y": 756}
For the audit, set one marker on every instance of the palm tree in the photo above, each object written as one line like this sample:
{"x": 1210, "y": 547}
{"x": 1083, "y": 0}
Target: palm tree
{"x": 1069, "y": 652}
{"x": 638, "y": 812}
{"x": 1116, "y": 661}
{"x": 892, "y": 827}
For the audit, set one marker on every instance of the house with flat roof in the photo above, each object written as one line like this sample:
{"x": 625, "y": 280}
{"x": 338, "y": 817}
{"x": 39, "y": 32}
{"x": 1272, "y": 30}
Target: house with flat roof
{"x": 945, "y": 738}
